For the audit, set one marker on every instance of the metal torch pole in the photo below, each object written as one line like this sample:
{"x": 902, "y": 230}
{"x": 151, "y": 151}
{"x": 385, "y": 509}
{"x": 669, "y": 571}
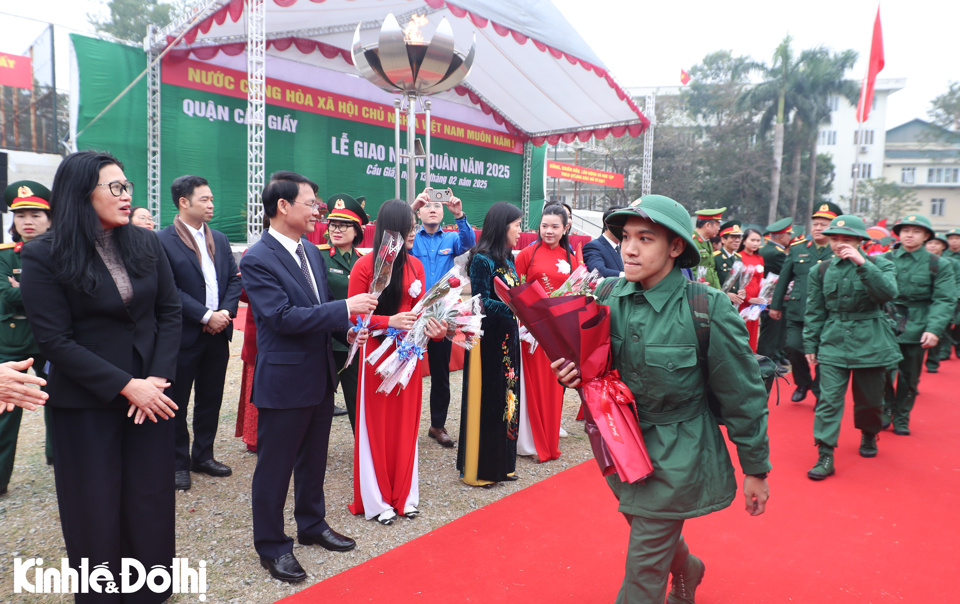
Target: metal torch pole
{"x": 426, "y": 124}
{"x": 411, "y": 147}
{"x": 396, "y": 148}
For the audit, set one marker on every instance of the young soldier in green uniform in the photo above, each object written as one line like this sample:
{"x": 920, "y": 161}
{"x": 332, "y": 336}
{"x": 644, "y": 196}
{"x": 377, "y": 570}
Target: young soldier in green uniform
{"x": 928, "y": 292}
{"x": 846, "y": 334}
{"x": 772, "y": 337}
{"x": 30, "y": 203}
{"x": 953, "y": 252}
{"x": 345, "y": 224}
{"x": 708, "y": 225}
{"x": 655, "y": 349}
{"x": 936, "y": 245}
{"x": 803, "y": 257}
{"x": 730, "y": 236}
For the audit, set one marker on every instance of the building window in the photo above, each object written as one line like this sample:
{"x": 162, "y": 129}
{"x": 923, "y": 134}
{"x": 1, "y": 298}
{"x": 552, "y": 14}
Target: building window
{"x": 908, "y": 176}
{"x": 827, "y": 137}
{"x": 937, "y": 205}
{"x": 834, "y": 103}
{"x": 863, "y": 138}
{"x": 861, "y": 170}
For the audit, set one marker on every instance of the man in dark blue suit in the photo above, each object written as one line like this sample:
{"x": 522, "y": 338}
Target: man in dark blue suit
{"x": 285, "y": 278}
{"x": 209, "y": 286}
{"x": 603, "y": 253}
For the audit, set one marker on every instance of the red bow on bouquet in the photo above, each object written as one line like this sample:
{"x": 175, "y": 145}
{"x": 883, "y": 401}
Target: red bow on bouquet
{"x": 576, "y": 328}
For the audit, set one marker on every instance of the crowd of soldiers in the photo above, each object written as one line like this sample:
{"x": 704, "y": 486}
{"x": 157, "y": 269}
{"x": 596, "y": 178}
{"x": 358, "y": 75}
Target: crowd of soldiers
{"x": 848, "y": 307}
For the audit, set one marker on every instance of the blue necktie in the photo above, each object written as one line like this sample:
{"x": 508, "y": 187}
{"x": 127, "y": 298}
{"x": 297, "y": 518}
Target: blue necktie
{"x": 303, "y": 265}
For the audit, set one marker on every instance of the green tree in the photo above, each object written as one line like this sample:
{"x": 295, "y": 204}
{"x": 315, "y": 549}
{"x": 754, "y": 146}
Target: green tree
{"x": 128, "y": 19}
{"x": 945, "y": 109}
{"x": 878, "y": 198}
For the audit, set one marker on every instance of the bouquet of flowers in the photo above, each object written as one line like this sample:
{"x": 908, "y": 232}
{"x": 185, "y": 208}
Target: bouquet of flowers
{"x": 702, "y": 274}
{"x": 752, "y": 312}
{"x": 580, "y": 281}
{"x": 577, "y": 328}
{"x": 382, "y": 271}
{"x": 736, "y": 277}
{"x": 526, "y": 336}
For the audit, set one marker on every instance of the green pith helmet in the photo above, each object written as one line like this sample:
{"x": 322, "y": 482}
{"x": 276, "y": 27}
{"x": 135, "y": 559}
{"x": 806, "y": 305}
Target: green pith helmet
{"x": 914, "y": 220}
{"x": 663, "y": 211}
{"x": 778, "y": 227}
{"x": 952, "y": 232}
{"x": 940, "y": 237}
{"x": 847, "y": 224}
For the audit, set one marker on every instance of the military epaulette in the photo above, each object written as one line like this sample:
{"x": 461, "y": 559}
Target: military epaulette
{"x": 359, "y": 253}
{"x": 323, "y": 246}
{"x": 798, "y": 241}
{"x": 7, "y": 246}
{"x": 698, "y": 237}
{"x": 716, "y": 253}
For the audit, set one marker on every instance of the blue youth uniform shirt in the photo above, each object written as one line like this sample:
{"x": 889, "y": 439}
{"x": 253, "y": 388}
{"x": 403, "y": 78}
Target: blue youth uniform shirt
{"x": 437, "y": 251}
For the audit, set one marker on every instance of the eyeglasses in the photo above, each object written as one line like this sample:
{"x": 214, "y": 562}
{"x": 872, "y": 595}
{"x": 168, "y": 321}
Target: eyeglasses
{"x": 338, "y": 227}
{"x": 117, "y": 187}
{"x": 316, "y": 206}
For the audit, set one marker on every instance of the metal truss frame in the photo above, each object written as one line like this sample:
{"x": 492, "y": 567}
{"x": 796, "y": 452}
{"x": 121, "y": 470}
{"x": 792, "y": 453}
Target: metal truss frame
{"x": 256, "y": 114}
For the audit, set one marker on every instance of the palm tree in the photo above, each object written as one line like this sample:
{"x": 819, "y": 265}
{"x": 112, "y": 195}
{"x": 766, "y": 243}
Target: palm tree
{"x": 777, "y": 98}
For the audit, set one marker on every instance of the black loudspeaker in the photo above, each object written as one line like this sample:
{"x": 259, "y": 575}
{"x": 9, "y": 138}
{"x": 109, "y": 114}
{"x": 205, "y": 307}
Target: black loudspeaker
{"x": 3, "y": 179}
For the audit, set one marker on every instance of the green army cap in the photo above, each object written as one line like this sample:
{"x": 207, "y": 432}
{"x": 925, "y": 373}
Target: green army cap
{"x": 27, "y": 195}
{"x": 778, "y": 227}
{"x": 663, "y": 211}
{"x": 828, "y": 210}
{"x": 711, "y": 214}
{"x": 344, "y": 207}
{"x": 886, "y": 240}
{"x": 940, "y": 237}
{"x": 847, "y": 224}
{"x": 952, "y": 232}
{"x": 799, "y": 229}
{"x": 914, "y": 220}
{"x": 731, "y": 228}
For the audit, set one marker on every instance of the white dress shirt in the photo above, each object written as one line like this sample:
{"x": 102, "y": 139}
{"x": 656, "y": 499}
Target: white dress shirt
{"x": 291, "y": 246}
{"x": 210, "y": 286}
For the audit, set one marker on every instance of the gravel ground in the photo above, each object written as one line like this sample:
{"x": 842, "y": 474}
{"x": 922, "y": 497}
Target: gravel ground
{"x": 214, "y": 518}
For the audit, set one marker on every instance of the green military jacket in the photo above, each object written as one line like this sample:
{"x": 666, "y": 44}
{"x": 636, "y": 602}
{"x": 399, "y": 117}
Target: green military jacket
{"x": 930, "y": 299}
{"x": 339, "y": 266}
{"x": 952, "y": 255}
{"x": 654, "y": 347}
{"x": 773, "y": 257}
{"x": 802, "y": 257}
{"x": 16, "y": 338}
{"x": 724, "y": 265}
{"x": 844, "y": 324}
{"x": 706, "y": 261}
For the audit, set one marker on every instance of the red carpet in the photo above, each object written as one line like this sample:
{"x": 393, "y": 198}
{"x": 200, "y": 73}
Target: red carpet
{"x": 881, "y": 530}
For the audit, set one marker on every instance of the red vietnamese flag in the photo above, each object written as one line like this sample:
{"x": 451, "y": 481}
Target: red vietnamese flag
{"x": 684, "y": 77}
{"x": 874, "y": 67}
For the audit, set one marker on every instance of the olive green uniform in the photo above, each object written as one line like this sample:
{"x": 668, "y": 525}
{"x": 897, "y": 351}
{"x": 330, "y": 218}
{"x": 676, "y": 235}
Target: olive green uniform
{"x": 941, "y": 351}
{"x": 803, "y": 257}
{"x": 339, "y": 265}
{"x": 772, "y": 338}
{"x": 654, "y": 347}
{"x": 724, "y": 266}
{"x": 706, "y": 261}
{"x": 847, "y": 330}
{"x": 954, "y": 330}
{"x": 930, "y": 300}
{"x": 16, "y": 344}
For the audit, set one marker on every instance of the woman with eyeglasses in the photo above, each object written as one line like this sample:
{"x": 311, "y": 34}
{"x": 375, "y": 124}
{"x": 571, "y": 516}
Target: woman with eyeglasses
{"x": 104, "y": 309}
{"x": 385, "y": 481}
{"x": 141, "y": 217}
{"x": 345, "y": 224}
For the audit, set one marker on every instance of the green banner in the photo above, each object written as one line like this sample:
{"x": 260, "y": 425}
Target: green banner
{"x": 205, "y": 133}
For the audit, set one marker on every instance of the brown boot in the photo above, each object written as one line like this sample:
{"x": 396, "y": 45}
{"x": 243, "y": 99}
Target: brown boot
{"x": 440, "y": 435}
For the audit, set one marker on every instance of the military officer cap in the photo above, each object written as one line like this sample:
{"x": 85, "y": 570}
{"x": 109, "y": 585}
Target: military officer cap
{"x": 952, "y": 232}
{"x": 667, "y": 213}
{"x": 731, "y": 228}
{"x": 828, "y": 210}
{"x": 914, "y": 220}
{"x": 847, "y": 224}
{"x": 345, "y": 207}
{"x": 711, "y": 214}
{"x": 779, "y": 227}
{"x": 27, "y": 195}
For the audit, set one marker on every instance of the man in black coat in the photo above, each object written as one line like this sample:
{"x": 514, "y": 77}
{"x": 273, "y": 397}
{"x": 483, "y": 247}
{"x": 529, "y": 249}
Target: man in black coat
{"x": 603, "y": 253}
{"x": 209, "y": 285}
{"x": 285, "y": 278}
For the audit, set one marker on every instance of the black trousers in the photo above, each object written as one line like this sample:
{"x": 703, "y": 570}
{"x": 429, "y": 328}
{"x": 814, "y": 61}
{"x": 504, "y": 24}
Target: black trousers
{"x": 203, "y": 368}
{"x": 115, "y": 491}
{"x": 347, "y": 379}
{"x": 290, "y": 441}
{"x": 439, "y": 357}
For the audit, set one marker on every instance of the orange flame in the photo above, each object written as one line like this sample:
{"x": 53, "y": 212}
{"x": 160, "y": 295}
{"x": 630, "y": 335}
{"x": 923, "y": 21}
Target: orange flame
{"x": 412, "y": 33}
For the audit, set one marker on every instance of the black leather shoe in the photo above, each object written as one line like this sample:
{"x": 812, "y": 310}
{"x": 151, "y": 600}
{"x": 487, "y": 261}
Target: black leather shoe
{"x": 212, "y": 467}
{"x": 799, "y": 394}
{"x": 329, "y": 539}
{"x": 285, "y": 568}
{"x": 181, "y": 479}
{"x": 338, "y": 411}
